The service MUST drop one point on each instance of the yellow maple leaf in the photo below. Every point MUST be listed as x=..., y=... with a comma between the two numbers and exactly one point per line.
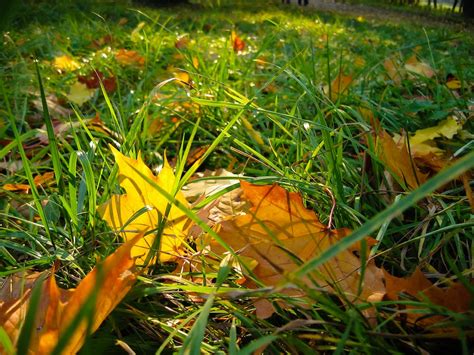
x=422, y=142
x=65, y=63
x=279, y=233
x=122, y=212
x=79, y=93
x=59, y=307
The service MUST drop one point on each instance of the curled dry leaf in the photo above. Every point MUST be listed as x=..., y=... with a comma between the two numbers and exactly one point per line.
x=278, y=233
x=223, y=207
x=143, y=208
x=111, y=280
x=455, y=297
x=60, y=130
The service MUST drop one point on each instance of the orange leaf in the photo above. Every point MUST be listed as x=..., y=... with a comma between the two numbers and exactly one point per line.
x=393, y=71
x=279, y=233
x=238, y=43
x=338, y=86
x=112, y=280
x=398, y=160
x=39, y=180
x=129, y=57
x=456, y=297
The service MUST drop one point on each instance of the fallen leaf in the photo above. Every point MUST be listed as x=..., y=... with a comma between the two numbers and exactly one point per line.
x=279, y=233
x=394, y=155
x=182, y=43
x=455, y=297
x=95, y=77
x=60, y=129
x=129, y=57
x=338, y=86
x=238, y=43
x=65, y=63
x=120, y=211
x=55, y=107
x=452, y=82
x=112, y=280
x=420, y=68
x=123, y=21
x=99, y=43
x=394, y=72
x=79, y=93
x=38, y=180
x=446, y=128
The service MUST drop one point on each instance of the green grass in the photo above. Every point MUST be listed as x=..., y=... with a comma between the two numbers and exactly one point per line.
x=309, y=143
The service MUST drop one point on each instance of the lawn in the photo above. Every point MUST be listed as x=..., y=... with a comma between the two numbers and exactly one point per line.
x=245, y=153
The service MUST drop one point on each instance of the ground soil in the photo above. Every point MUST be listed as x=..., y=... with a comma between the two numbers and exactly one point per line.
x=424, y=16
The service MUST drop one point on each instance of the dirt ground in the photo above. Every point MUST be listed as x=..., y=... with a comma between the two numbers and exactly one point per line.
x=422, y=16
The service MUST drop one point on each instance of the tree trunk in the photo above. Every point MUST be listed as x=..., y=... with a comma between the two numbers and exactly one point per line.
x=468, y=8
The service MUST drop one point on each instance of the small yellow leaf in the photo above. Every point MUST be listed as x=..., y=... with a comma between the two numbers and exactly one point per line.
x=423, y=138
x=453, y=84
x=79, y=93
x=65, y=63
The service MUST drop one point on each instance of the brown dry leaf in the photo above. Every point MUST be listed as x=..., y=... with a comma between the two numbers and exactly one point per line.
x=54, y=106
x=112, y=280
x=182, y=43
x=122, y=21
x=398, y=161
x=420, y=68
x=339, y=86
x=121, y=210
x=129, y=57
x=455, y=297
x=394, y=72
x=238, y=43
x=39, y=180
x=279, y=233
x=60, y=130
